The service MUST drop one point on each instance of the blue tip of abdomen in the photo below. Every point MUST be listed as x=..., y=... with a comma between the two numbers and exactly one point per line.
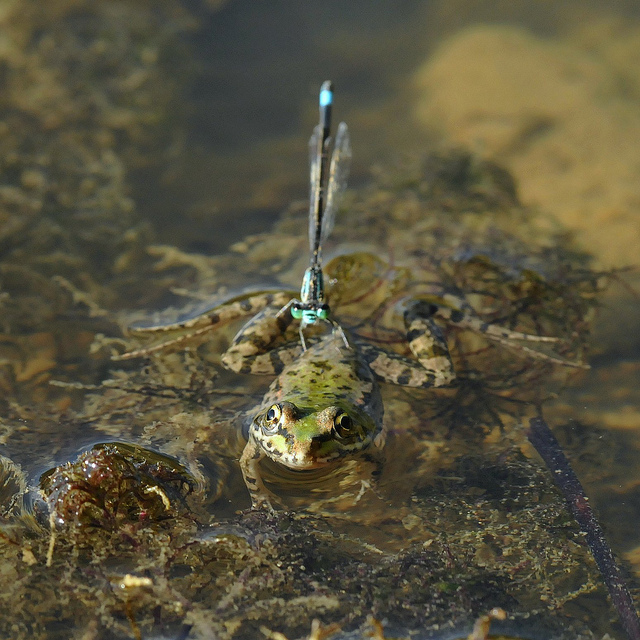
x=326, y=94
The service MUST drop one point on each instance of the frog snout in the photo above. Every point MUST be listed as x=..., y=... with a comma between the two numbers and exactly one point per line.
x=309, y=450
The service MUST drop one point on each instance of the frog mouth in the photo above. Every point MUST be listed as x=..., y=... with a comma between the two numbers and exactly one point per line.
x=320, y=452
x=311, y=458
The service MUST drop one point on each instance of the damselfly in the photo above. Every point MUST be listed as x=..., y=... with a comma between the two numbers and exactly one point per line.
x=329, y=168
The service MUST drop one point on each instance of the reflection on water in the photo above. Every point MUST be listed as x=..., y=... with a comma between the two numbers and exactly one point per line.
x=103, y=155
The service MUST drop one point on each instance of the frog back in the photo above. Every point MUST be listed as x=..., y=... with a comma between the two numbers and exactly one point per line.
x=329, y=372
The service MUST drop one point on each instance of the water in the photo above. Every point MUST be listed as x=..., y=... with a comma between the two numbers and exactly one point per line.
x=137, y=147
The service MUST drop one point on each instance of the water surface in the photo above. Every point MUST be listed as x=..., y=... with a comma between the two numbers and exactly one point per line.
x=149, y=161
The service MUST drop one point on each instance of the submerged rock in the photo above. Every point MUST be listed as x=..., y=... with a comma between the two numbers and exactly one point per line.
x=116, y=485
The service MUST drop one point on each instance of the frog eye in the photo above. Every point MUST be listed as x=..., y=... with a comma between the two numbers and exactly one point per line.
x=274, y=413
x=272, y=417
x=343, y=425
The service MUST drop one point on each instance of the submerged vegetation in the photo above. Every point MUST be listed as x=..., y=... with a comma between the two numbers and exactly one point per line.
x=149, y=534
x=460, y=520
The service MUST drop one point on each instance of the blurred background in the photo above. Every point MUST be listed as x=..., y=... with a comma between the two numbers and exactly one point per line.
x=549, y=89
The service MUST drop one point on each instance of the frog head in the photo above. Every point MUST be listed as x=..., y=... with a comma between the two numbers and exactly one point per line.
x=302, y=437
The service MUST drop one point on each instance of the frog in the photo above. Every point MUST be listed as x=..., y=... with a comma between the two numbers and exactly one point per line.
x=324, y=406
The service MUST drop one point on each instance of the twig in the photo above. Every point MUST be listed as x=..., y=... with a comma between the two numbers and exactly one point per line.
x=566, y=480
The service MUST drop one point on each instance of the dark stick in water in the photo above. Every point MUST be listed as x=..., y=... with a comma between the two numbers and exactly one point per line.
x=545, y=443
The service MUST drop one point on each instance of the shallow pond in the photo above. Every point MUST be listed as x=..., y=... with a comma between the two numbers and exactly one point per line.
x=153, y=163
